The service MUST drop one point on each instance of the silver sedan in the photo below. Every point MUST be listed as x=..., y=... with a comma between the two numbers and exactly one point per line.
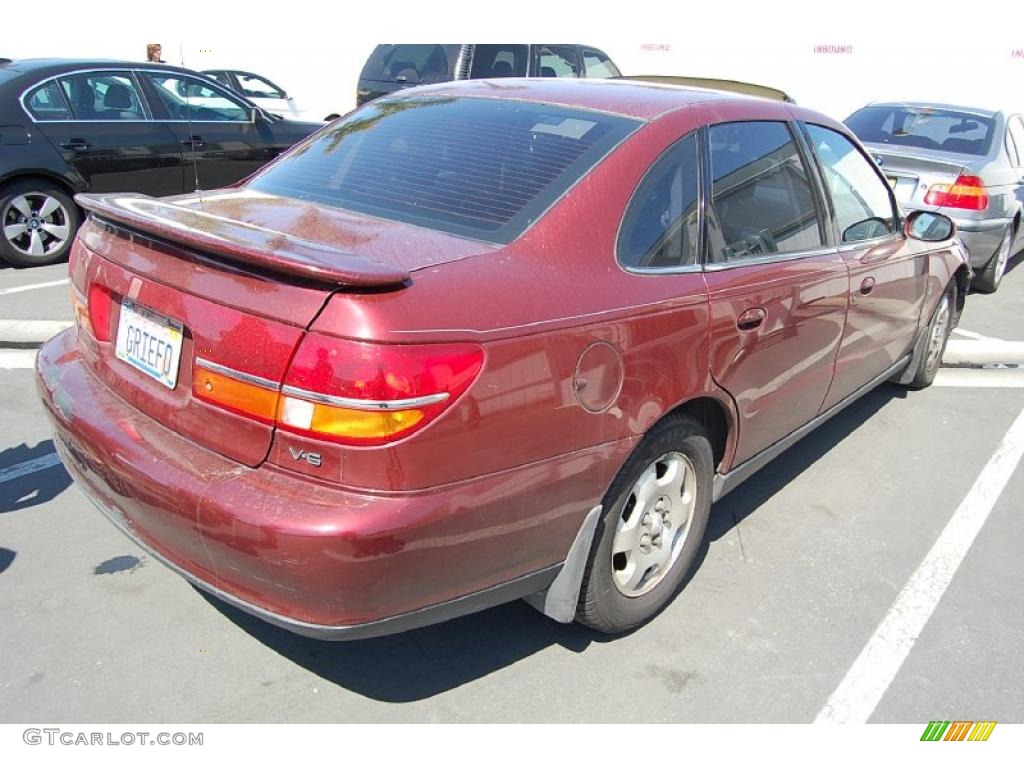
x=964, y=162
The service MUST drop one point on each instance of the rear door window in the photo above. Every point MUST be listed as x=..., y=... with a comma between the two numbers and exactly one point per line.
x=411, y=64
x=484, y=168
x=103, y=96
x=490, y=61
x=47, y=102
x=659, y=230
x=924, y=127
x=863, y=205
x=763, y=200
x=556, y=61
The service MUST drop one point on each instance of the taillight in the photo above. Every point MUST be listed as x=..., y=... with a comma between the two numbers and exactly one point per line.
x=357, y=393
x=100, y=300
x=235, y=391
x=967, y=192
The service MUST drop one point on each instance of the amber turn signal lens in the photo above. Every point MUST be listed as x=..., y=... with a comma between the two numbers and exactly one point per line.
x=331, y=420
x=234, y=395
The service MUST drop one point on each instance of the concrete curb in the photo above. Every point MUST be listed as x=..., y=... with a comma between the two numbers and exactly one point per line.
x=976, y=353
x=30, y=331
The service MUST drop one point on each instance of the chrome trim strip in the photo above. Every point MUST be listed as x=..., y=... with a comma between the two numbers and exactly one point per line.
x=120, y=68
x=767, y=258
x=231, y=373
x=364, y=405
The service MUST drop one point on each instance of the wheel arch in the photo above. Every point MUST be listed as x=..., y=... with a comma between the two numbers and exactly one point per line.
x=43, y=175
x=717, y=416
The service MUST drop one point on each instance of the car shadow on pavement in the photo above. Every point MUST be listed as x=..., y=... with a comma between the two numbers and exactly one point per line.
x=33, y=487
x=748, y=498
x=6, y=558
x=421, y=663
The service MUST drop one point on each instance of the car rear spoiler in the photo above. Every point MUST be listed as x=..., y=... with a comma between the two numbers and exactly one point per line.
x=242, y=243
x=733, y=86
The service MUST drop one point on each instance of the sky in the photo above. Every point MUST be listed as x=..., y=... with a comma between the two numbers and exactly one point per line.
x=829, y=56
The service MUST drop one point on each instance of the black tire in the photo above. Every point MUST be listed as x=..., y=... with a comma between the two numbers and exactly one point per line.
x=991, y=275
x=604, y=604
x=21, y=234
x=935, y=338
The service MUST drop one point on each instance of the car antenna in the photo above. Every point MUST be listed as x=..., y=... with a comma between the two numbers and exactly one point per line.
x=191, y=136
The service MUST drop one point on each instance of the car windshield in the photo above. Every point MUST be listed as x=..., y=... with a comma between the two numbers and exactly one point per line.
x=924, y=127
x=479, y=167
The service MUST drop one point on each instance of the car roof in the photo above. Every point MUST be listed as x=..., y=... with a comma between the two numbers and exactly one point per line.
x=38, y=69
x=641, y=100
x=935, y=105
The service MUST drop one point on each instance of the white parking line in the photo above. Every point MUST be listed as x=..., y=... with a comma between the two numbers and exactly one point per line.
x=875, y=668
x=28, y=467
x=973, y=335
x=34, y=286
x=14, y=359
x=989, y=378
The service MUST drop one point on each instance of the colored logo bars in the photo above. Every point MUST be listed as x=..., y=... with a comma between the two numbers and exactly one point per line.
x=958, y=730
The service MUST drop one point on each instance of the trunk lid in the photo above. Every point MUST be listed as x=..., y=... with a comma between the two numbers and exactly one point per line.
x=240, y=276
x=911, y=172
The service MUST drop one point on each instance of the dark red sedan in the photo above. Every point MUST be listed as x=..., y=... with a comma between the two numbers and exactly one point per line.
x=483, y=341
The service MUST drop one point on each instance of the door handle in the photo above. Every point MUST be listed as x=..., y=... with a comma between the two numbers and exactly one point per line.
x=76, y=144
x=867, y=285
x=196, y=142
x=750, y=319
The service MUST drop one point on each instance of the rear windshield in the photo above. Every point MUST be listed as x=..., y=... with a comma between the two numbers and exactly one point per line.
x=924, y=128
x=479, y=167
x=413, y=64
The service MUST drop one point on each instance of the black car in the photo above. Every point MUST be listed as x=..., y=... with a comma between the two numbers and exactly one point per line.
x=391, y=67
x=69, y=126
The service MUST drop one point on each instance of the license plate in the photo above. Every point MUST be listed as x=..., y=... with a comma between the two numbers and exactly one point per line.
x=149, y=342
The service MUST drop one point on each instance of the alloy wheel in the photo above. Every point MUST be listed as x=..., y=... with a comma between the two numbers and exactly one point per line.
x=36, y=224
x=939, y=331
x=654, y=524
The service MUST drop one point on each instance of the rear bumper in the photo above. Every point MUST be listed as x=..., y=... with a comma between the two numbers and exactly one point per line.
x=982, y=238
x=317, y=559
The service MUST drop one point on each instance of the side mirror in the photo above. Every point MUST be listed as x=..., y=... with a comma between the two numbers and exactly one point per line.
x=255, y=116
x=929, y=226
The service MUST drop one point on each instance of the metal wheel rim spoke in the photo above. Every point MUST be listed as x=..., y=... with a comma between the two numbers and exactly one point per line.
x=22, y=205
x=654, y=524
x=48, y=206
x=12, y=231
x=57, y=231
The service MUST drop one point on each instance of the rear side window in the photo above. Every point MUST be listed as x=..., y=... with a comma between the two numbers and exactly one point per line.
x=864, y=209
x=103, y=96
x=556, y=61
x=924, y=128
x=484, y=168
x=491, y=61
x=1016, y=133
x=47, y=103
x=257, y=88
x=762, y=198
x=411, y=64
x=597, y=64
x=659, y=229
